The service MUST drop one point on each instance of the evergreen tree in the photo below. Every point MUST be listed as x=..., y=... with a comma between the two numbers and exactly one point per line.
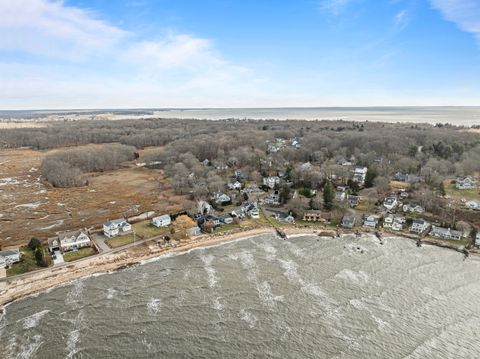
x=370, y=177
x=328, y=195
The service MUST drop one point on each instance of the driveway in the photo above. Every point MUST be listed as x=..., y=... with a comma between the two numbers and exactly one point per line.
x=58, y=259
x=100, y=242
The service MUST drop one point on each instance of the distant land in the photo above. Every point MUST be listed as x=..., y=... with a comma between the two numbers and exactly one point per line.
x=459, y=116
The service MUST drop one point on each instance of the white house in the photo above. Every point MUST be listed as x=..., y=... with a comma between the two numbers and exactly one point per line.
x=465, y=183
x=445, y=233
x=390, y=202
x=116, y=227
x=203, y=207
x=9, y=256
x=72, y=240
x=413, y=208
x=394, y=222
x=221, y=198
x=477, y=239
x=162, y=221
x=370, y=221
x=271, y=181
x=284, y=217
x=234, y=185
x=419, y=226
x=359, y=175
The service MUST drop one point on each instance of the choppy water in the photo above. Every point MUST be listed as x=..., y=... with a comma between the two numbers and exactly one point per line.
x=262, y=298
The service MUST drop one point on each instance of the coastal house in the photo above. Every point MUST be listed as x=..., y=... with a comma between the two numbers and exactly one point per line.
x=359, y=175
x=353, y=201
x=221, y=198
x=271, y=181
x=313, y=216
x=251, y=209
x=203, y=207
x=284, y=217
x=226, y=219
x=348, y=221
x=477, y=239
x=419, y=226
x=9, y=257
x=116, y=227
x=340, y=196
x=253, y=189
x=394, y=222
x=208, y=222
x=465, y=183
x=234, y=185
x=71, y=240
x=370, y=221
x=413, y=208
x=390, y=202
x=445, y=233
x=162, y=221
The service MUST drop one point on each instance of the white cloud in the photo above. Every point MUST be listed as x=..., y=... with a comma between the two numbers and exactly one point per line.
x=401, y=20
x=335, y=6
x=91, y=62
x=464, y=13
x=49, y=28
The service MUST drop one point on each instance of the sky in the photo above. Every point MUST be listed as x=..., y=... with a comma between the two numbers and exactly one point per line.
x=238, y=53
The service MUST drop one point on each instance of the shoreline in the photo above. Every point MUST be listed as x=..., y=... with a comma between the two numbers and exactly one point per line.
x=29, y=284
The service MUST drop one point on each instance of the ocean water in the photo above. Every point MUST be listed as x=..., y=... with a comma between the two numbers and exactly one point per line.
x=461, y=116
x=262, y=297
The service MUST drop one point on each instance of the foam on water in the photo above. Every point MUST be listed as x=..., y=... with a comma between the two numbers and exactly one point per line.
x=33, y=320
x=154, y=306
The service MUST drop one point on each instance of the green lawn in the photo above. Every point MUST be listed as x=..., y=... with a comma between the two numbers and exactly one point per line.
x=120, y=241
x=460, y=243
x=81, y=253
x=468, y=194
x=147, y=230
x=27, y=264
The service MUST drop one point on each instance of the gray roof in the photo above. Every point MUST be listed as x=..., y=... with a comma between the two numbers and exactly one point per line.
x=9, y=252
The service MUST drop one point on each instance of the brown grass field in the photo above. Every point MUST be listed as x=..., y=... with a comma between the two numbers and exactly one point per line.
x=29, y=207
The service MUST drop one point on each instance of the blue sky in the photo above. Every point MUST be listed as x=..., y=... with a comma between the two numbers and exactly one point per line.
x=238, y=53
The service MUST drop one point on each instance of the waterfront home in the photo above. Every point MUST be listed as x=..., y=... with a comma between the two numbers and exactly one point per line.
x=284, y=217
x=221, y=198
x=208, y=221
x=313, y=216
x=477, y=239
x=271, y=181
x=445, y=233
x=234, y=185
x=162, y=221
x=359, y=175
x=390, y=202
x=72, y=240
x=419, y=226
x=472, y=204
x=370, y=221
x=226, y=219
x=465, y=183
x=116, y=227
x=348, y=221
x=353, y=200
x=9, y=257
x=394, y=222
x=203, y=207
x=413, y=208
x=251, y=209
